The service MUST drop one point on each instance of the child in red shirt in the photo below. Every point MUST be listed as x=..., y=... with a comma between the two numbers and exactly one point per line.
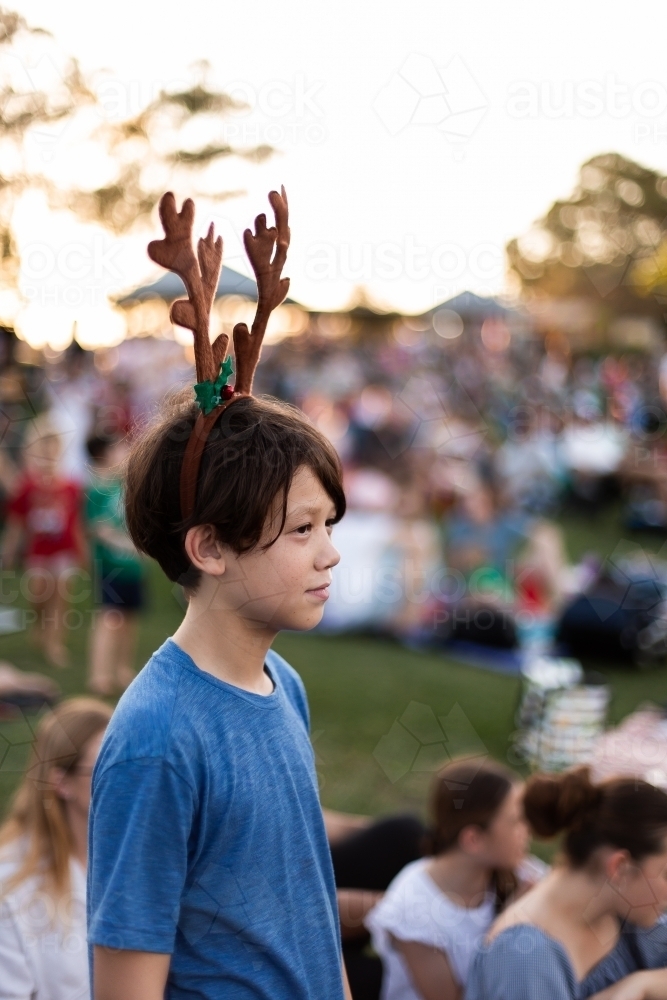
x=43, y=522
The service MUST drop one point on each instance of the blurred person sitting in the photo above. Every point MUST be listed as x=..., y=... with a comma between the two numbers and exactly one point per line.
x=118, y=572
x=596, y=922
x=530, y=464
x=482, y=531
x=432, y=919
x=43, y=522
x=592, y=449
x=365, y=539
x=43, y=852
x=481, y=537
x=543, y=578
x=418, y=547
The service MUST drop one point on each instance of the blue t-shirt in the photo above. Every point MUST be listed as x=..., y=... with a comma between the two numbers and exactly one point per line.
x=206, y=836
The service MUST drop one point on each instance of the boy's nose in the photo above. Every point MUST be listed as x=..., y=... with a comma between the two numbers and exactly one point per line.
x=329, y=557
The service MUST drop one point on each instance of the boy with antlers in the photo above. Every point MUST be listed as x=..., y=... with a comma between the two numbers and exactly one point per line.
x=209, y=871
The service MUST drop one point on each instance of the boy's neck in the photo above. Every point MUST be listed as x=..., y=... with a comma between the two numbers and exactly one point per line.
x=226, y=645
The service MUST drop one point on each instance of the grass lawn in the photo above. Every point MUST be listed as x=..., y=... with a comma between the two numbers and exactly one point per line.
x=382, y=716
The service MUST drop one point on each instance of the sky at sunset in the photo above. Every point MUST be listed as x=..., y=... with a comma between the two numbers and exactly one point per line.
x=414, y=139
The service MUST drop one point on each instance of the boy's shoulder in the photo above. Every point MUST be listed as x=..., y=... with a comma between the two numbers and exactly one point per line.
x=164, y=711
x=291, y=683
x=143, y=721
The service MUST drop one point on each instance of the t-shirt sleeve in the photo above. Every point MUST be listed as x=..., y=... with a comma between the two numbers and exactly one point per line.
x=521, y=964
x=141, y=817
x=408, y=917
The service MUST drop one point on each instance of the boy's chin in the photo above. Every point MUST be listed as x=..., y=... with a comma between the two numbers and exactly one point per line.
x=302, y=620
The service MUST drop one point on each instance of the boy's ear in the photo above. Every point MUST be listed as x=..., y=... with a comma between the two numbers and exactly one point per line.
x=204, y=550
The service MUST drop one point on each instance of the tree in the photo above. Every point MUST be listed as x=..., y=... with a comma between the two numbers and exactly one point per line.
x=607, y=241
x=42, y=92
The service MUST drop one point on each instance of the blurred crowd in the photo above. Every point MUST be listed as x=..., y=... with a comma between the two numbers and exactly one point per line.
x=460, y=454
x=65, y=548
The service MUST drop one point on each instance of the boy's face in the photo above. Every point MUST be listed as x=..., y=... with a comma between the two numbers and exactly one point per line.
x=287, y=585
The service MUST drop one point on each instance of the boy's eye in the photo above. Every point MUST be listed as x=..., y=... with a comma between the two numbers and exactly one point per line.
x=303, y=529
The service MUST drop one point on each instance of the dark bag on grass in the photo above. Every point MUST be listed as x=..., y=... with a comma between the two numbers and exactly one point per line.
x=610, y=619
x=483, y=625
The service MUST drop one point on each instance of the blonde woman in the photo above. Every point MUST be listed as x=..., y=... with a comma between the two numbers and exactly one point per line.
x=43, y=852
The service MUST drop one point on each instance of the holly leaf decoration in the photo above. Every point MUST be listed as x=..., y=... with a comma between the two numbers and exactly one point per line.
x=209, y=394
x=206, y=396
x=226, y=369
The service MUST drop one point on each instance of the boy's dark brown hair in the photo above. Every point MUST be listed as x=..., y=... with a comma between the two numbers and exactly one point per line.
x=250, y=459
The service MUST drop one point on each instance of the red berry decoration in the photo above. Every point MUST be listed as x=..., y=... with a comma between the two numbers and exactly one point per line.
x=227, y=391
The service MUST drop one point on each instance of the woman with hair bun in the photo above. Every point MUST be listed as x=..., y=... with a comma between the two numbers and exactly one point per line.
x=593, y=924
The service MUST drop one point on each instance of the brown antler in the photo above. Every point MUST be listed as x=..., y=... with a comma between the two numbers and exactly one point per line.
x=271, y=288
x=200, y=276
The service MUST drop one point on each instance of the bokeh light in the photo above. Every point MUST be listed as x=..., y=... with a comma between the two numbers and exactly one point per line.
x=448, y=324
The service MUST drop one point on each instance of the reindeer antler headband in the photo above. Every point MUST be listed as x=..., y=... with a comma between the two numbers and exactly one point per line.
x=200, y=275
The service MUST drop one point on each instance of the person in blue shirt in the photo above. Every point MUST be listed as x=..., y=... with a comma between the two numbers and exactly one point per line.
x=210, y=874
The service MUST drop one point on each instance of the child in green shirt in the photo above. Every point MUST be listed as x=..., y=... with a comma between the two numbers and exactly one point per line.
x=118, y=573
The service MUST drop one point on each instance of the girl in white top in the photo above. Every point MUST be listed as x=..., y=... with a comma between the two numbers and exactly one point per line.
x=43, y=849
x=437, y=911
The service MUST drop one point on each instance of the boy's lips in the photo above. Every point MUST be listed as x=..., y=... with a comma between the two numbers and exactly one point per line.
x=320, y=592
